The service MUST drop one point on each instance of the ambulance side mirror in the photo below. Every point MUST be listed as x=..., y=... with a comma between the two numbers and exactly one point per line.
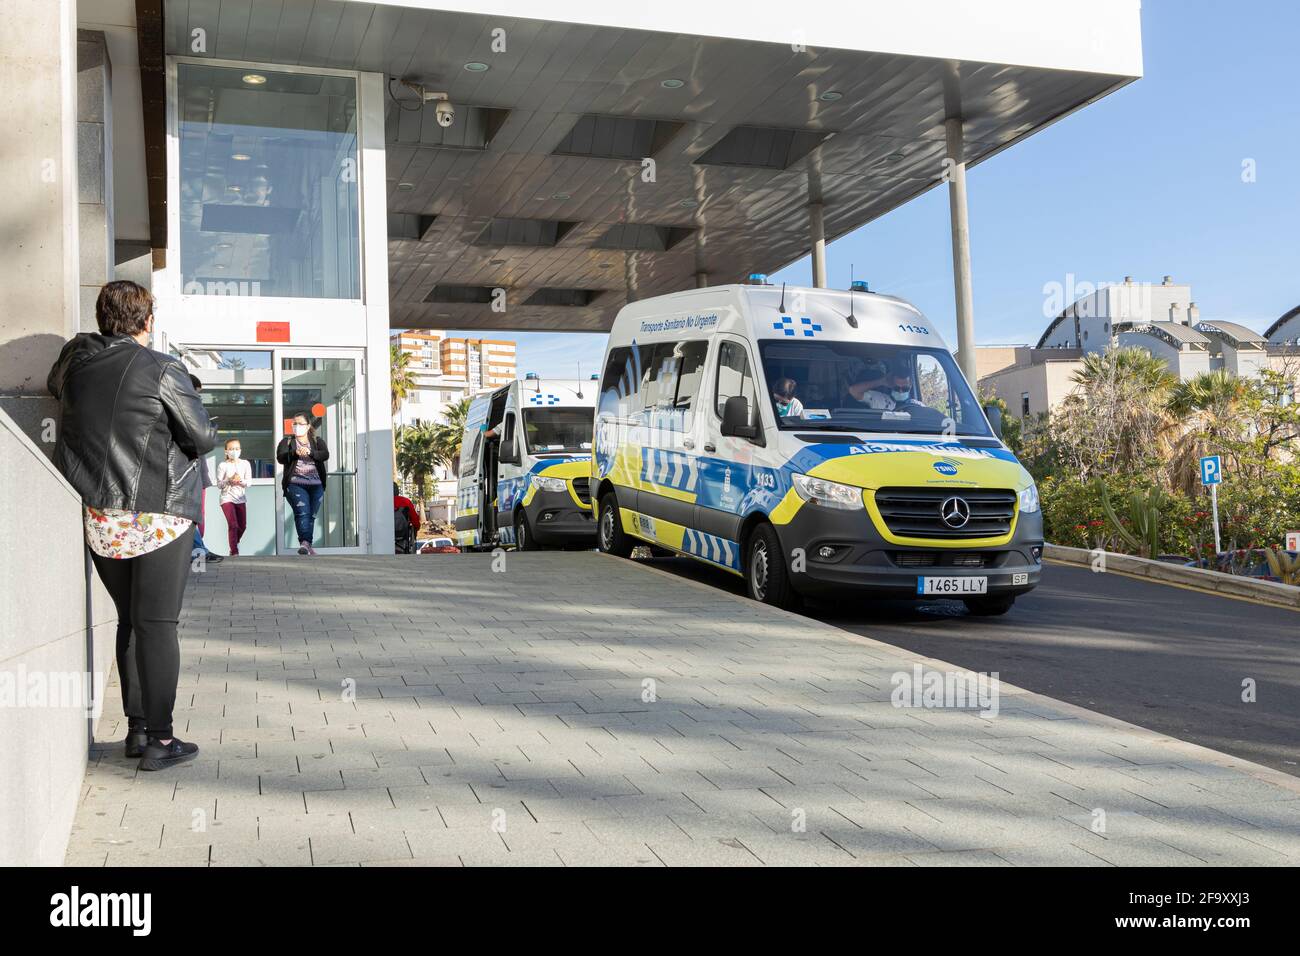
x=735, y=418
x=994, y=414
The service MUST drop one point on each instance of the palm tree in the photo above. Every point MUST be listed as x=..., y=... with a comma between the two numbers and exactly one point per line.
x=416, y=456
x=1122, y=418
x=400, y=376
x=448, y=434
x=401, y=383
x=1207, y=408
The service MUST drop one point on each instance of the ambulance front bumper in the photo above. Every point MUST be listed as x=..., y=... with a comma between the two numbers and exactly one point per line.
x=842, y=551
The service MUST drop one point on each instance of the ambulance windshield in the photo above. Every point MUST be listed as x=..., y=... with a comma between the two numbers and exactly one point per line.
x=559, y=431
x=861, y=386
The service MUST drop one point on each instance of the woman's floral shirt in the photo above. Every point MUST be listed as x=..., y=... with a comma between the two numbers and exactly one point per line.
x=112, y=533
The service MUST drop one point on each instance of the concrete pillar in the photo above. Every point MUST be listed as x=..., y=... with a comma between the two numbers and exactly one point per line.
x=817, y=229
x=701, y=280
x=38, y=234
x=960, y=225
x=94, y=170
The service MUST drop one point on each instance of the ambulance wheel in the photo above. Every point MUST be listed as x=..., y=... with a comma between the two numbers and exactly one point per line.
x=609, y=531
x=990, y=606
x=523, y=534
x=767, y=578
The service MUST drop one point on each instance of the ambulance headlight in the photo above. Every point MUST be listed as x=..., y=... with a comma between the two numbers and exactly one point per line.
x=548, y=484
x=1029, y=500
x=828, y=494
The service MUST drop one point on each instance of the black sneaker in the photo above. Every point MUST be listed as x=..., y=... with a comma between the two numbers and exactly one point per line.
x=303, y=549
x=136, y=741
x=211, y=558
x=159, y=756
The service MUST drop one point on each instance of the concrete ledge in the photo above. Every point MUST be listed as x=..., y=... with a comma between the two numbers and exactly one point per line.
x=1201, y=579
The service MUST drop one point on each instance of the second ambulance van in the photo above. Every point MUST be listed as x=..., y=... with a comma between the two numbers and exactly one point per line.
x=524, y=466
x=812, y=441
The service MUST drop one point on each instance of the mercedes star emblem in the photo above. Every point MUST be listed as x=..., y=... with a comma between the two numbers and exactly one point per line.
x=955, y=512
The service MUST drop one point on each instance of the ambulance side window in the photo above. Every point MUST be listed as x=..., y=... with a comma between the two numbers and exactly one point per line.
x=735, y=378
x=690, y=372
x=619, y=385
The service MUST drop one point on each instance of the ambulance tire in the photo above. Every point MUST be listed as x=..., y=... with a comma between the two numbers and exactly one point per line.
x=523, y=534
x=609, y=529
x=990, y=606
x=767, y=577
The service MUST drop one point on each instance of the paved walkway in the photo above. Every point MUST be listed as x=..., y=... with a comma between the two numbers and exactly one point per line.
x=576, y=709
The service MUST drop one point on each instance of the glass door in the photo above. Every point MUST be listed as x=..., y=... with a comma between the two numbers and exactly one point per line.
x=323, y=386
x=238, y=391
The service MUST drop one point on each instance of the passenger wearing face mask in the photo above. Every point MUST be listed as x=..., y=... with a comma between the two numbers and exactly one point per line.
x=888, y=392
x=787, y=406
x=303, y=455
x=233, y=476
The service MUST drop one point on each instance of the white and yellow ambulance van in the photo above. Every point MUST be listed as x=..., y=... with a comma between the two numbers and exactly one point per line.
x=524, y=466
x=814, y=442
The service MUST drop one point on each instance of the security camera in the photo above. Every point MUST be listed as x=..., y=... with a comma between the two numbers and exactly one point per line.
x=445, y=112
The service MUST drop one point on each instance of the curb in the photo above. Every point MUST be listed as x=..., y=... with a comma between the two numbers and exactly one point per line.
x=1200, y=579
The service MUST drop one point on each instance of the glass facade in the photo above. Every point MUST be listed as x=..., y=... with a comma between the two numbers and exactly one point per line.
x=269, y=200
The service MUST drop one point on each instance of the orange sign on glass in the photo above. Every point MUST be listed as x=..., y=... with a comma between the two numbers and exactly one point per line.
x=273, y=331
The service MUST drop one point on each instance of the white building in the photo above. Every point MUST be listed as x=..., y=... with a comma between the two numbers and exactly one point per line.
x=1162, y=319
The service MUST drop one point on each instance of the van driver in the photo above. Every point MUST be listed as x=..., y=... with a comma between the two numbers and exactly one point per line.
x=886, y=392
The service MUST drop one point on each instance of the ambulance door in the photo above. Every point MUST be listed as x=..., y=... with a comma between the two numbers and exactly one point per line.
x=728, y=462
x=669, y=458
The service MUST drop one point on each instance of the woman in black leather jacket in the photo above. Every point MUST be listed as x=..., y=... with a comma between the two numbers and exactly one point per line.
x=130, y=441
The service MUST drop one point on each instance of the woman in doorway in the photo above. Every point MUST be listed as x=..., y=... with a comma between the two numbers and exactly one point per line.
x=303, y=455
x=233, y=476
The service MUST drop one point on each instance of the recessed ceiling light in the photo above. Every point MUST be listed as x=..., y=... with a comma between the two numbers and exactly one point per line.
x=561, y=196
x=254, y=79
x=496, y=262
x=673, y=84
x=240, y=157
x=475, y=67
x=233, y=189
x=895, y=157
x=405, y=186
x=830, y=96
x=223, y=245
x=689, y=203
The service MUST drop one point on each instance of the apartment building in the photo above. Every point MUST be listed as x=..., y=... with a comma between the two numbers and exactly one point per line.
x=482, y=363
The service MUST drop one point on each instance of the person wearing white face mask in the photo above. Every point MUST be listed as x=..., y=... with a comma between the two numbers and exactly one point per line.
x=890, y=391
x=233, y=476
x=303, y=455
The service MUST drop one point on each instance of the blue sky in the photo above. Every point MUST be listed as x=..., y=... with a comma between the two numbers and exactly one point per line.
x=1147, y=182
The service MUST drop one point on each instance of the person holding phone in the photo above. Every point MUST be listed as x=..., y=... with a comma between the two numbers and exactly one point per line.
x=233, y=476
x=302, y=455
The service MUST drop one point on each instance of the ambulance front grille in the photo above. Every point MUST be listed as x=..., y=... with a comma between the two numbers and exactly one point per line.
x=582, y=488
x=916, y=512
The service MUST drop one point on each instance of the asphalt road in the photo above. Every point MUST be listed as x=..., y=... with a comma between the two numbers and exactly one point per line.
x=1166, y=658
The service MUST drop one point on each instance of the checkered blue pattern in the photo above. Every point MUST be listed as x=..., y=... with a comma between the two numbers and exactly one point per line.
x=805, y=325
x=537, y=398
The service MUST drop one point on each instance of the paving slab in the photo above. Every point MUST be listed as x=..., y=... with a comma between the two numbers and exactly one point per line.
x=580, y=710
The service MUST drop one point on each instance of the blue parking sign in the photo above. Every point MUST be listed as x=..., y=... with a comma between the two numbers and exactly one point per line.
x=1211, y=470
